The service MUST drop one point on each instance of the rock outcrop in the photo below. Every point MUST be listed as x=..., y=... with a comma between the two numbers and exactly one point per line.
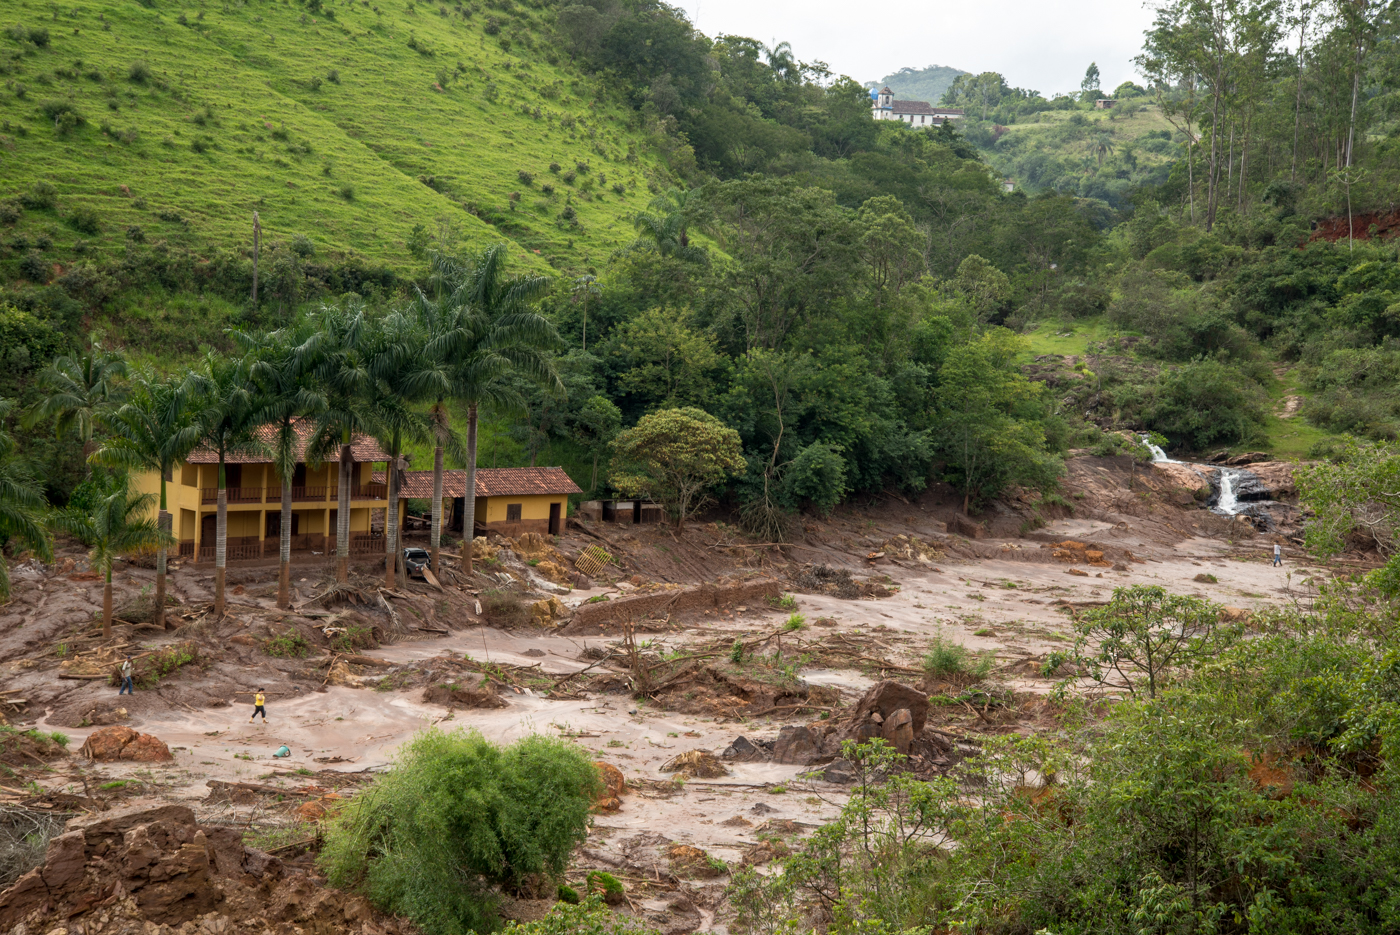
x=117, y=743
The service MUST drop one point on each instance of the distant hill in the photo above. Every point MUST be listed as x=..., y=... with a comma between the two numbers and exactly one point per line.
x=919, y=84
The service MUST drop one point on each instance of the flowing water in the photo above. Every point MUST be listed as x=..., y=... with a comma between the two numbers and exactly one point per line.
x=1227, y=504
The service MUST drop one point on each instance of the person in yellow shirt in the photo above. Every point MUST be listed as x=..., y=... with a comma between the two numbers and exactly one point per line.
x=258, y=700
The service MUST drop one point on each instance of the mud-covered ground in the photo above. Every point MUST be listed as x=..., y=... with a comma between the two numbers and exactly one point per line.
x=637, y=667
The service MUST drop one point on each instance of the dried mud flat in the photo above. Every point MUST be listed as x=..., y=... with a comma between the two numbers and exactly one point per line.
x=657, y=668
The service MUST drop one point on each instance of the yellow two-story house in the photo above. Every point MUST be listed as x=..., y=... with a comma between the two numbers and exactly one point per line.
x=255, y=502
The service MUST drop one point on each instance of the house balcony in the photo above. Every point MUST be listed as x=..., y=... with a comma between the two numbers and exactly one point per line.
x=243, y=548
x=273, y=495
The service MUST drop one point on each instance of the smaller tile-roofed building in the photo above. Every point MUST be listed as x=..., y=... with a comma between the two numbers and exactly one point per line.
x=509, y=501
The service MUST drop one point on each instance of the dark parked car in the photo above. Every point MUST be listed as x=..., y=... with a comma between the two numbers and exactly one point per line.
x=415, y=560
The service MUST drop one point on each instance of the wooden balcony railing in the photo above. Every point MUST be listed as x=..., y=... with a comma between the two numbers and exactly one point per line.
x=299, y=494
x=235, y=494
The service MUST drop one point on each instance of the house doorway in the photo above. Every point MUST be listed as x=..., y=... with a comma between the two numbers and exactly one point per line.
x=554, y=519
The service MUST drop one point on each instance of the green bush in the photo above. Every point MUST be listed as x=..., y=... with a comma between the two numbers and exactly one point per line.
x=1206, y=403
x=946, y=659
x=41, y=196
x=816, y=478
x=85, y=220
x=589, y=917
x=290, y=645
x=139, y=72
x=457, y=815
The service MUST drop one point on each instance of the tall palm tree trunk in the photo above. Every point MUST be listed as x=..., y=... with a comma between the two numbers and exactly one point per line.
x=284, y=550
x=436, y=535
x=163, y=519
x=107, y=605
x=220, y=541
x=391, y=517
x=469, y=501
x=342, y=519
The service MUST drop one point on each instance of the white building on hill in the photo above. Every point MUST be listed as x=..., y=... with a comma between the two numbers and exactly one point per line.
x=883, y=106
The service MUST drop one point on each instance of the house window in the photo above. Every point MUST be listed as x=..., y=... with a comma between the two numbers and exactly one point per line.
x=513, y=512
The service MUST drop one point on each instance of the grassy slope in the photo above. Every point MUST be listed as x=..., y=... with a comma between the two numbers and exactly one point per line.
x=243, y=78
x=1043, y=132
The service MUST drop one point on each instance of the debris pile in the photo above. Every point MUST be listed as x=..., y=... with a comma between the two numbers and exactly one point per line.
x=118, y=743
x=158, y=871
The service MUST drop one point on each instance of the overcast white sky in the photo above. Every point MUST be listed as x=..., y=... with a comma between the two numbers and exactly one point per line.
x=1039, y=44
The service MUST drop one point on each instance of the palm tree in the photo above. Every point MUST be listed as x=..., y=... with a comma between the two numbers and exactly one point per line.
x=434, y=380
x=664, y=227
x=152, y=431
x=22, y=504
x=77, y=389
x=343, y=371
x=120, y=523
x=396, y=383
x=230, y=405
x=496, y=333
x=283, y=367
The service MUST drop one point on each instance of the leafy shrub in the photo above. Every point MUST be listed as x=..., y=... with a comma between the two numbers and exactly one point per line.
x=456, y=815
x=567, y=894
x=200, y=144
x=1144, y=637
x=554, y=167
x=289, y=645
x=569, y=177
x=619, y=188
x=333, y=76
x=590, y=917
x=492, y=27
x=815, y=478
x=1207, y=402
x=10, y=211
x=946, y=659
x=354, y=639
x=526, y=178
x=568, y=214
x=302, y=246
x=139, y=72
x=135, y=234
x=34, y=268
x=347, y=192
x=547, y=188
x=85, y=220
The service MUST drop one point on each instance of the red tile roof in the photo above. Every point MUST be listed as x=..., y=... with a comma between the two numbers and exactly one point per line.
x=361, y=449
x=923, y=107
x=491, y=482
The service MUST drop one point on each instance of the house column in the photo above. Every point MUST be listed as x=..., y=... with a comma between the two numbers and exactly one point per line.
x=262, y=531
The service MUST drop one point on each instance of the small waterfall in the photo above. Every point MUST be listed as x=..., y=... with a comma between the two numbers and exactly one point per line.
x=1227, y=503
x=1158, y=455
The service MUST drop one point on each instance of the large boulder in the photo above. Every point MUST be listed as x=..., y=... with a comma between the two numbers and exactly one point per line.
x=885, y=698
x=118, y=743
x=1271, y=480
x=796, y=744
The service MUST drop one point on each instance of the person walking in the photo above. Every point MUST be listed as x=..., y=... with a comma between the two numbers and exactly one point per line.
x=128, y=686
x=258, y=701
x=1278, y=555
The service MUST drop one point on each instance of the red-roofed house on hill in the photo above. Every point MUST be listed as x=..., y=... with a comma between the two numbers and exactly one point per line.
x=509, y=501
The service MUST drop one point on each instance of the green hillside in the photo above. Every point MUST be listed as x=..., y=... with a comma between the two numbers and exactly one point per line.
x=344, y=125
x=919, y=84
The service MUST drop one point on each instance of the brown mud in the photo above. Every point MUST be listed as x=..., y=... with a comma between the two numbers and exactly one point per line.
x=658, y=666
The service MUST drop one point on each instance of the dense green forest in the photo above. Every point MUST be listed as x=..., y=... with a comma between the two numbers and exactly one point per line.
x=859, y=296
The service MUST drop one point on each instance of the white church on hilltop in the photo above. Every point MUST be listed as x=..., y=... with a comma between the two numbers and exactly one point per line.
x=883, y=106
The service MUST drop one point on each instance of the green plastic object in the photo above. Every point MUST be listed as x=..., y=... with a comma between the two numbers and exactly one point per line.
x=283, y=751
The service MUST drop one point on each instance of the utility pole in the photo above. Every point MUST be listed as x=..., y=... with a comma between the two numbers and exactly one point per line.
x=257, y=234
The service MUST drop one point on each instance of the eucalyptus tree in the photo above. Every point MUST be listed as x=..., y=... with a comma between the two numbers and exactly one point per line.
x=120, y=523
x=496, y=333
x=230, y=409
x=22, y=505
x=283, y=366
x=152, y=431
x=76, y=391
